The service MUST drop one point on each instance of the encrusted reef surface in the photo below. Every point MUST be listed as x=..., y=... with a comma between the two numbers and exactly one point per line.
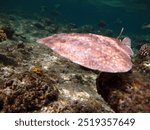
x=35, y=79
x=41, y=81
x=125, y=92
x=26, y=92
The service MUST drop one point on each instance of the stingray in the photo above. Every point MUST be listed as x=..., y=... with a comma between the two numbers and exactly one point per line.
x=93, y=51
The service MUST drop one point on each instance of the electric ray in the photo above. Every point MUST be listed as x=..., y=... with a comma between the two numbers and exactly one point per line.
x=93, y=51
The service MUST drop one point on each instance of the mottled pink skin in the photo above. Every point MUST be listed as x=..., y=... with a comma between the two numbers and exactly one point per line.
x=93, y=51
x=127, y=42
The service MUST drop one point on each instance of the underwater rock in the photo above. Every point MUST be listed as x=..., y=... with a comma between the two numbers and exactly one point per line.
x=13, y=53
x=46, y=21
x=106, y=32
x=142, y=60
x=8, y=30
x=68, y=28
x=76, y=106
x=38, y=25
x=27, y=92
x=77, y=89
x=53, y=28
x=6, y=73
x=5, y=60
x=3, y=36
x=128, y=92
x=86, y=28
x=145, y=67
x=145, y=50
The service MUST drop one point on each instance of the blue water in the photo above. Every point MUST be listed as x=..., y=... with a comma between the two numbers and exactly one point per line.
x=130, y=14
